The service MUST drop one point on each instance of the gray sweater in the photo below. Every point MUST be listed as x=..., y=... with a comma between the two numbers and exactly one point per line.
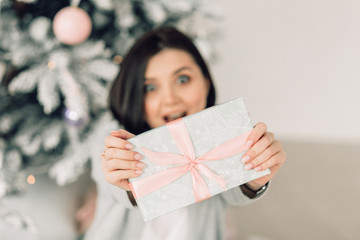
x=116, y=218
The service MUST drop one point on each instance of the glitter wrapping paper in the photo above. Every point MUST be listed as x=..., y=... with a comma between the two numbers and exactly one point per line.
x=209, y=131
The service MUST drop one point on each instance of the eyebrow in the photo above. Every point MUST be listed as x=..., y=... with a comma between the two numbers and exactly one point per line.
x=174, y=73
x=181, y=69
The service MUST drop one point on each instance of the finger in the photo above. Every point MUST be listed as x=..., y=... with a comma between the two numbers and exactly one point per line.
x=276, y=161
x=116, y=153
x=122, y=183
x=115, y=142
x=256, y=133
x=116, y=176
x=122, y=134
x=267, y=154
x=259, y=147
x=116, y=164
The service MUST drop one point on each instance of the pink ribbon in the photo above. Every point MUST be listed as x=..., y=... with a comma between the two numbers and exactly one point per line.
x=188, y=163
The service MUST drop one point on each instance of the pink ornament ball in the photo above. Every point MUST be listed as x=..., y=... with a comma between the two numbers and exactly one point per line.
x=72, y=25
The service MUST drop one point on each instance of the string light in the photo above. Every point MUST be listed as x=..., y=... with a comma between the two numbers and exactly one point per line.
x=31, y=179
x=117, y=59
x=51, y=64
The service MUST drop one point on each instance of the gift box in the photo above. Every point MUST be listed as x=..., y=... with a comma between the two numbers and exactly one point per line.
x=193, y=158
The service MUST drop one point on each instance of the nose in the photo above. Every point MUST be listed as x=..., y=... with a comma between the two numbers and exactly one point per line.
x=170, y=95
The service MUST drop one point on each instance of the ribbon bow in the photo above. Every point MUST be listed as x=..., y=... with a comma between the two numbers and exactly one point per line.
x=188, y=163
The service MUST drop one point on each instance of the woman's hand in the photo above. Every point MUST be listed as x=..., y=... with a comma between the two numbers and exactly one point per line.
x=119, y=163
x=265, y=152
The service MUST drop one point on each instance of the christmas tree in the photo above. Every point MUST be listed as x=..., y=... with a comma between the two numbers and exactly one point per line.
x=57, y=62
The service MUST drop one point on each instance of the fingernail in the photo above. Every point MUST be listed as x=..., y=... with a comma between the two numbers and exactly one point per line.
x=257, y=168
x=140, y=165
x=245, y=158
x=138, y=172
x=248, y=144
x=128, y=146
x=138, y=156
x=248, y=166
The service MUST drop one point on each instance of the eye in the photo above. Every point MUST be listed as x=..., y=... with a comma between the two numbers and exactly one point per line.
x=149, y=88
x=183, y=79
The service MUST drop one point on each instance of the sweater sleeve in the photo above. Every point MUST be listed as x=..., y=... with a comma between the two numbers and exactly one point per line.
x=107, y=189
x=104, y=188
x=120, y=196
x=235, y=197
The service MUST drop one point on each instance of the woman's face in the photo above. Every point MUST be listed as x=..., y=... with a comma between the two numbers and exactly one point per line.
x=174, y=87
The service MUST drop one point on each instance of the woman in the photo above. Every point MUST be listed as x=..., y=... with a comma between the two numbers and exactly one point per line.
x=162, y=78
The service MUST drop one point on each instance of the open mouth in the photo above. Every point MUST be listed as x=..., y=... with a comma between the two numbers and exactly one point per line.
x=174, y=116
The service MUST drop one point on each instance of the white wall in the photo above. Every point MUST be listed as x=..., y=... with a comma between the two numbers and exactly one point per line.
x=296, y=64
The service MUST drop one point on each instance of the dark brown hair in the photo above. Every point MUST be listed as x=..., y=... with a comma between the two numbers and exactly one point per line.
x=126, y=97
